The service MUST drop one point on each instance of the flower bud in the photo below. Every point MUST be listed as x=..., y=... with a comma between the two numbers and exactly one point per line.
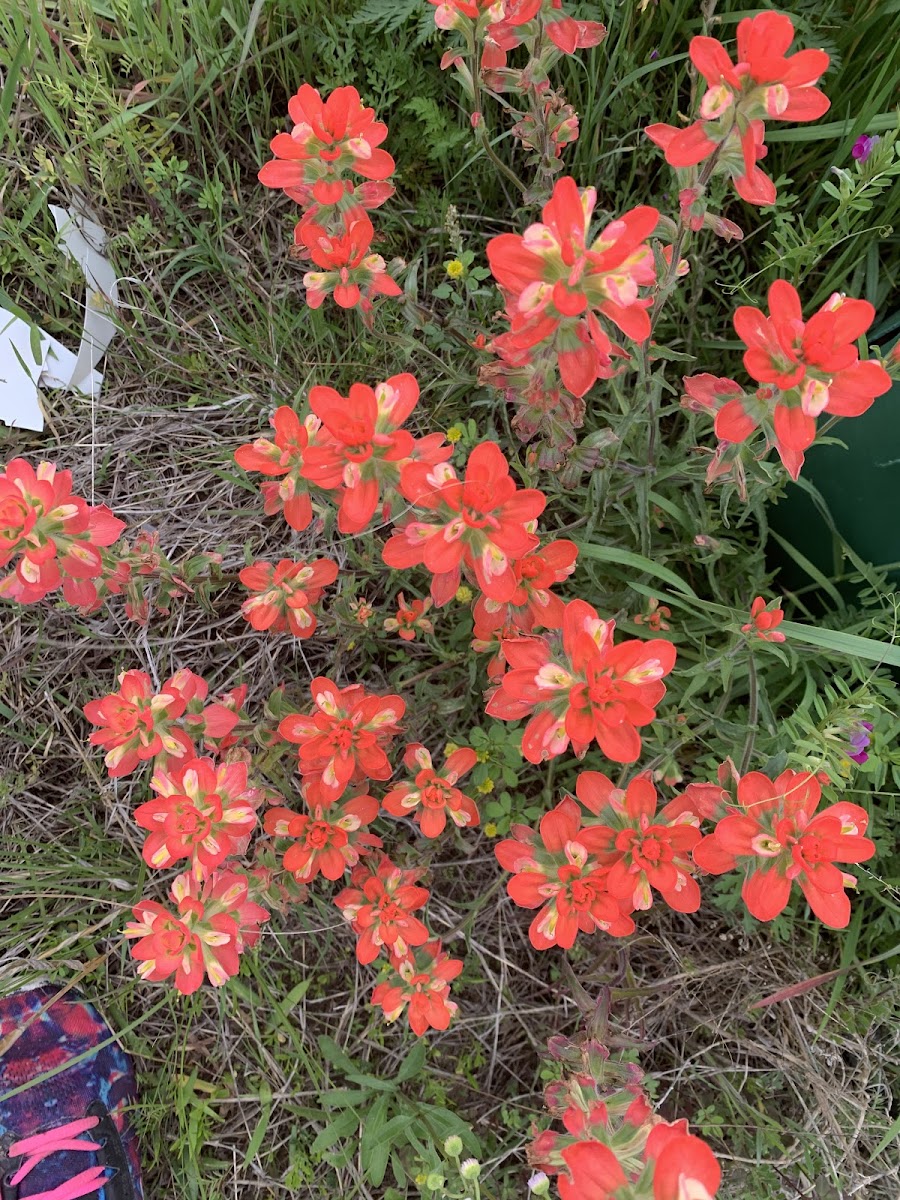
x=453, y=1146
x=470, y=1169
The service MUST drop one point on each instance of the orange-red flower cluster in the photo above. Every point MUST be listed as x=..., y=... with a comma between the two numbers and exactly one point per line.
x=331, y=141
x=203, y=811
x=764, y=621
x=605, y=853
x=775, y=836
x=804, y=368
x=343, y=742
x=419, y=982
x=504, y=25
x=55, y=538
x=352, y=448
x=380, y=907
x=614, y=1146
x=138, y=723
x=479, y=523
x=567, y=290
x=764, y=84
x=284, y=594
x=432, y=797
x=214, y=922
x=579, y=686
x=589, y=871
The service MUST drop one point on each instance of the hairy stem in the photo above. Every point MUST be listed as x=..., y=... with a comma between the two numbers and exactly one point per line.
x=753, y=714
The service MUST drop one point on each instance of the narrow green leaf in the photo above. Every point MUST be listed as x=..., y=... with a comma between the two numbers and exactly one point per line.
x=849, y=644
x=831, y=129
x=8, y=95
x=810, y=568
x=637, y=562
x=259, y=1133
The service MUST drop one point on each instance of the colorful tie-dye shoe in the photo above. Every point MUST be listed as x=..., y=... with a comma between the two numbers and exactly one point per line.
x=69, y=1135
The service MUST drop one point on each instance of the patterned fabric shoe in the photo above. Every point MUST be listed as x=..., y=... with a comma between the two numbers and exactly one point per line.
x=67, y=1136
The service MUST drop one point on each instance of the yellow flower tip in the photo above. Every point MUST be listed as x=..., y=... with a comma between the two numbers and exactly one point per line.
x=490, y=830
x=463, y=594
x=455, y=269
x=454, y=433
x=485, y=787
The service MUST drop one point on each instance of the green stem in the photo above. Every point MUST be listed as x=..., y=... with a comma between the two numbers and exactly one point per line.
x=753, y=715
x=482, y=128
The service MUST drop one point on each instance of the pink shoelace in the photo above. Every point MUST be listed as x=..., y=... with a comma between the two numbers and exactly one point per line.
x=65, y=1137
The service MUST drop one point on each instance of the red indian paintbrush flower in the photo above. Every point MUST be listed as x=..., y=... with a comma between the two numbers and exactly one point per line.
x=557, y=870
x=379, y=906
x=684, y=1167
x=556, y=281
x=419, y=982
x=204, y=811
x=137, y=723
x=479, y=521
x=344, y=740
x=814, y=364
x=525, y=21
x=410, y=619
x=283, y=457
x=592, y=1172
x=361, y=447
x=329, y=139
x=432, y=797
x=462, y=14
x=350, y=271
x=643, y=850
x=763, y=621
x=775, y=837
x=212, y=926
x=57, y=536
x=532, y=604
x=327, y=840
x=285, y=593
x=582, y=688
x=763, y=85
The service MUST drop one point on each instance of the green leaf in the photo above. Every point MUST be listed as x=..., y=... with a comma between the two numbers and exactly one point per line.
x=330, y=1050
x=414, y=1061
x=372, y=1081
x=259, y=1133
x=810, y=568
x=372, y=1126
x=341, y=1127
x=344, y=1097
x=849, y=644
x=637, y=562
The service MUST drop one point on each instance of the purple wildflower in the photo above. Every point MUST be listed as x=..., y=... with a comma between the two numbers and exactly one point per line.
x=859, y=741
x=863, y=147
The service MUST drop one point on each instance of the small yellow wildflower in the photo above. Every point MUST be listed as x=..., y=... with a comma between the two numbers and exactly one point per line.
x=455, y=269
x=485, y=787
x=463, y=594
x=482, y=755
x=450, y=748
x=454, y=433
x=490, y=830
